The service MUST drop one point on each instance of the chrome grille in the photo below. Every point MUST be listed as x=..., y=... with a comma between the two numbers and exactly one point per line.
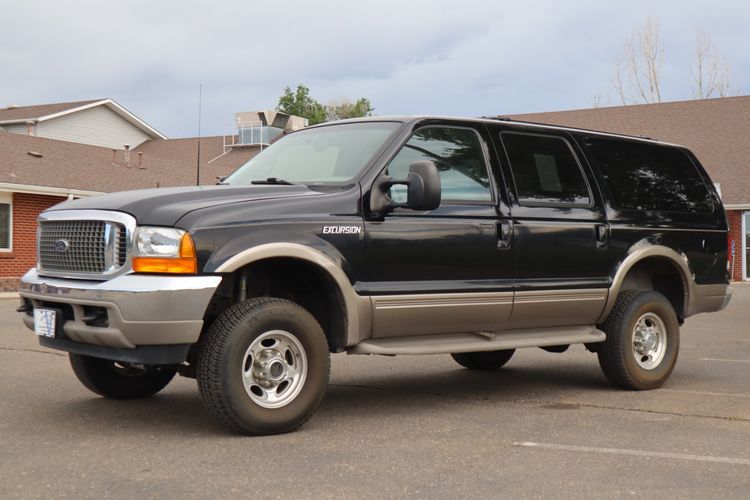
x=80, y=246
x=122, y=245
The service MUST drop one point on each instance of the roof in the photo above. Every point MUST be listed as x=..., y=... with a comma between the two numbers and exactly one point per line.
x=35, y=162
x=24, y=113
x=43, y=112
x=716, y=130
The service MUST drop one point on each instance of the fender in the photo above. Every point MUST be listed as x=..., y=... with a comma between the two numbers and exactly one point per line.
x=643, y=250
x=358, y=309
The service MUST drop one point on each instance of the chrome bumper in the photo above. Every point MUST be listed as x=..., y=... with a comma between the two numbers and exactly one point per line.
x=141, y=310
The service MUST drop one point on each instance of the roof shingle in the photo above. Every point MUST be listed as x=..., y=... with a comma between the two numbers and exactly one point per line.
x=22, y=113
x=69, y=165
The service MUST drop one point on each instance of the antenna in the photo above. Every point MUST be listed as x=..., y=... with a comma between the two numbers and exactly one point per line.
x=198, y=166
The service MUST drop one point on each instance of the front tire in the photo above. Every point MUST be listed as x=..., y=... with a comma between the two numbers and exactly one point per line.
x=116, y=380
x=643, y=341
x=487, y=360
x=264, y=366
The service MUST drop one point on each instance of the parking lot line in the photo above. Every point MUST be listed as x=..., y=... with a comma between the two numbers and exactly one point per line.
x=727, y=360
x=637, y=453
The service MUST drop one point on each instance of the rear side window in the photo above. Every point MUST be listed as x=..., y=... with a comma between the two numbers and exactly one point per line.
x=642, y=176
x=545, y=170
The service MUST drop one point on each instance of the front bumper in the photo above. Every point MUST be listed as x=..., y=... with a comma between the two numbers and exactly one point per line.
x=142, y=311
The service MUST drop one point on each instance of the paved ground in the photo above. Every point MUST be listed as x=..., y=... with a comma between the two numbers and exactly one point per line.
x=548, y=425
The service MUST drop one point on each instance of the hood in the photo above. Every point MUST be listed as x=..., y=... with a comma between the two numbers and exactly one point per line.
x=165, y=206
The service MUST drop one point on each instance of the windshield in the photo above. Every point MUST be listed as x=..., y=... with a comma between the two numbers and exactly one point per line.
x=331, y=154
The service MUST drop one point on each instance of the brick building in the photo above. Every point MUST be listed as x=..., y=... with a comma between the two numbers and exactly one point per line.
x=54, y=152
x=716, y=130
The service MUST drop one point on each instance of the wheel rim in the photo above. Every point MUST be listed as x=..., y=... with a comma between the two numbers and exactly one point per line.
x=274, y=369
x=649, y=341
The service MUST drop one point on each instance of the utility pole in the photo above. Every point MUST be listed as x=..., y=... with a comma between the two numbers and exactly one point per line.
x=198, y=166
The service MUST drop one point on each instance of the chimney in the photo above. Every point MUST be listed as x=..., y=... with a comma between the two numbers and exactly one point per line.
x=140, y=160
x=127, y=155
x=30, y=127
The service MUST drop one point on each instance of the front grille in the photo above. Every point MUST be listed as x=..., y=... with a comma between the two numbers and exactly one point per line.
x=121, y=245
x=80, y=246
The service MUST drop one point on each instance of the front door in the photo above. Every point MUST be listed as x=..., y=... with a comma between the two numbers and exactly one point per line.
x=445, y=270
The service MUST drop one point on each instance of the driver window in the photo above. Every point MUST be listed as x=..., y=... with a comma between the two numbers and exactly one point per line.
x=456, y=152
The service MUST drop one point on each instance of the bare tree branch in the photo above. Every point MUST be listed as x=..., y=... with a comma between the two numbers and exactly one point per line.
x=638, y=69
x=710, y=70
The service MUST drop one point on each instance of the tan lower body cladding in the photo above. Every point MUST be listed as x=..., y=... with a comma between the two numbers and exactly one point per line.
x=427, y=314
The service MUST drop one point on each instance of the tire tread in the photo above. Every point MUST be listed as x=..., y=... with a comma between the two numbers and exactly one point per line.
x=209, y=378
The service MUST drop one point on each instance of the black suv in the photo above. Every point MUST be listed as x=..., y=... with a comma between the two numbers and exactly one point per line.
x=417, y=235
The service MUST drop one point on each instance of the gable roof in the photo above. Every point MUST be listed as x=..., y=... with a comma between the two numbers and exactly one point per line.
x=716, y=130
x=13, y=114
x=44, y=112
x=37, y=164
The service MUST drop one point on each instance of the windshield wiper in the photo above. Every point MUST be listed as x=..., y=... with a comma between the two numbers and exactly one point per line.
x=275, y=181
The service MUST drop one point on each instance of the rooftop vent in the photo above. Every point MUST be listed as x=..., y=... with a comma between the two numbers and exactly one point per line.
x=12, y=106
x=259, y=128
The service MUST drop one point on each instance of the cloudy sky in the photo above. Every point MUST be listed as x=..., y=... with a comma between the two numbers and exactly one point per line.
x=453, y=57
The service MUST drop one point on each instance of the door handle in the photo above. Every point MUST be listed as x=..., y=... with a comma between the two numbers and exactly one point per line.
x=602, y=235
x=505, y=235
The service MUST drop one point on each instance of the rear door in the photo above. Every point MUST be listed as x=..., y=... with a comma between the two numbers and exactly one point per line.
x=560, y=232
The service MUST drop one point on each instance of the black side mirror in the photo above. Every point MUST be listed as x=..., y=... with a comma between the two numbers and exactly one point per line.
x=423, y=189
x=424, y=186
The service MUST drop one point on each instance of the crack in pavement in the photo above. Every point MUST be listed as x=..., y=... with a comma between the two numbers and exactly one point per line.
x=545, y=402
x=38, y=351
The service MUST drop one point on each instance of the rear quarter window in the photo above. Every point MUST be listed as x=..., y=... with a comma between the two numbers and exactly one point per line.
x=643, y=176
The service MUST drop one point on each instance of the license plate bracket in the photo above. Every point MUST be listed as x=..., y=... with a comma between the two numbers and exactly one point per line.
x=46, y=322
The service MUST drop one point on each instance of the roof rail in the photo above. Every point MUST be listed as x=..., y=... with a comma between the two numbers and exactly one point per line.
x=501, y=118
x=498, y=118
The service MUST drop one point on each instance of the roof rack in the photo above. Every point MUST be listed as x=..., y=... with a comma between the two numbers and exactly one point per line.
x=498, y=118
x=501, y=118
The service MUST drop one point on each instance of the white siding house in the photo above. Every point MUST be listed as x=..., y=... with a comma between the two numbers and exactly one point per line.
x=97, y=126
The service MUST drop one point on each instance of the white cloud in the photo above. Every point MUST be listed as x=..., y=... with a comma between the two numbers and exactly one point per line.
x=465, y=58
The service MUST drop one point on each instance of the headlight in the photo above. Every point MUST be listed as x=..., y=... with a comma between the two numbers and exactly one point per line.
x=164, y=250
x=158, y=241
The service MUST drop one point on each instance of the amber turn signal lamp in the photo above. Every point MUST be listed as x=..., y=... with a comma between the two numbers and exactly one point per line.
x=186, y=263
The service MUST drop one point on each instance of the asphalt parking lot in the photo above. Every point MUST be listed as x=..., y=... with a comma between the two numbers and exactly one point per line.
x=546, y=425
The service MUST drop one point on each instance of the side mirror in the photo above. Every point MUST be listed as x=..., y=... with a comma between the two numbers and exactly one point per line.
x=422, y=189
x=424, y=186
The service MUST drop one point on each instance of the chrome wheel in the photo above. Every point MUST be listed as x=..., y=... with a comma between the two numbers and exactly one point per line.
x=274, y=369
x=649, y=341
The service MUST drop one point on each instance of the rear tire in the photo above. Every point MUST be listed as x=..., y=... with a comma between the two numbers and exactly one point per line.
x=115, y=380
x=486, y=360
x=643, y=341
x=264, y=366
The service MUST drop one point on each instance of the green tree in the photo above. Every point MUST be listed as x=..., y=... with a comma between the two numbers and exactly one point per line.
x=300, y=103
x=344, y=109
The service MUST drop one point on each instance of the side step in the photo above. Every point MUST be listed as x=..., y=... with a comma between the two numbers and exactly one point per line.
x=473, y=342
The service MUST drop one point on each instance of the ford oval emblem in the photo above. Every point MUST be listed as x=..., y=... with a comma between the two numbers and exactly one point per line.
x=62, y=246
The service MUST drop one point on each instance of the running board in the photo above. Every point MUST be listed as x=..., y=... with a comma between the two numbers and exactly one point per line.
x=474, y=342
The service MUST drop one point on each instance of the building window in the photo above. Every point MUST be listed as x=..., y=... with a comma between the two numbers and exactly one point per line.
x=745, y=246
x=6, y=221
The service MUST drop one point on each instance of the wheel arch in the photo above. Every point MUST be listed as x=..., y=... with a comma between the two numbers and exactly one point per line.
x=356, y=314
x=642, y=258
